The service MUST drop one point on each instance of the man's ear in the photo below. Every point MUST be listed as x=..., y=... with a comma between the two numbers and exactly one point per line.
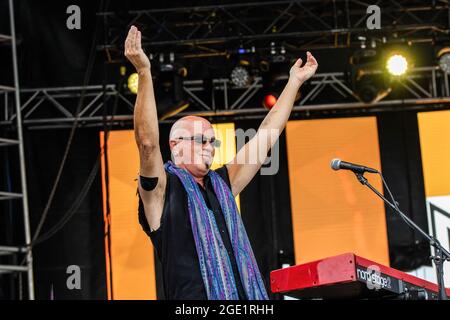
x=172, y=144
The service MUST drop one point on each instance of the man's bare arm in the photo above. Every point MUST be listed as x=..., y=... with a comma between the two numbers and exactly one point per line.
x=146, y=130
x=252, y=155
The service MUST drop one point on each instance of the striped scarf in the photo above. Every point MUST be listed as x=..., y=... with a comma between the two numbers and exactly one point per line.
x=215, y=265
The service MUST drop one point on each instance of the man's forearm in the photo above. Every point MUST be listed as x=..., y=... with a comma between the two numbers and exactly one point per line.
x=145, y=114
x=275, y=121
x=279, y=114
x=242, y=171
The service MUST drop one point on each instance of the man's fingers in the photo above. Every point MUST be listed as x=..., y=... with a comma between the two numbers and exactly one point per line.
x=299, y=62
x=132, y=37
x=311, y=58
x=138, y=41
x=136, y=35
x=128, y=45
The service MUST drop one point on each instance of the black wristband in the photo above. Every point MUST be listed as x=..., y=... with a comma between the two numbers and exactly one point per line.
x=148, y=183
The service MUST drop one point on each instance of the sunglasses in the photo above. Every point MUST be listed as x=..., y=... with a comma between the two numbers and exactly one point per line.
x=203, y=140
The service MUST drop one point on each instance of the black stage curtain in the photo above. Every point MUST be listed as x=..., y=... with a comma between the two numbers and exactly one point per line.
x=401, y=163
x=51, y=55
x=80, y=242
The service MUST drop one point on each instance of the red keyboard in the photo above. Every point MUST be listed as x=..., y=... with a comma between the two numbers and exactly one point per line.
x=349, y=276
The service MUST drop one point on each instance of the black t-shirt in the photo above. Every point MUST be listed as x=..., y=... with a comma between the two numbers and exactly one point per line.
x=174, y=241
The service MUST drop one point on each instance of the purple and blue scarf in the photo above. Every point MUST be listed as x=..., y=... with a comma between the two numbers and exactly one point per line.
x=215, y=265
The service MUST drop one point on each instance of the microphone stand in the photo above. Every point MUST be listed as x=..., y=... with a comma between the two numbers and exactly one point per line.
x=440, y=253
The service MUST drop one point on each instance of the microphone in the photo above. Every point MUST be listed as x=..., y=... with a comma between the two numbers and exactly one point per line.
x=338, y=164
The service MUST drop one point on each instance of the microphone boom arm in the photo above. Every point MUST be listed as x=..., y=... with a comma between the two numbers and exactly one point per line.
x=441, y=254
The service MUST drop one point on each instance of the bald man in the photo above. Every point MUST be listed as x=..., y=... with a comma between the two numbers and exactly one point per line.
x=187, y=209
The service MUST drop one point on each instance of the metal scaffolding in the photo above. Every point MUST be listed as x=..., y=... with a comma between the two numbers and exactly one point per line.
x=17, y=142
x=217, y=30
x=425, y=88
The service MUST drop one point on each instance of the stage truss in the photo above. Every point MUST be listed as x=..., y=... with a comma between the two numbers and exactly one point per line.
x=425, y=88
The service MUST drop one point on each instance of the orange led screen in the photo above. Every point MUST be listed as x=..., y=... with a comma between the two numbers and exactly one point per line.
x=332, y=212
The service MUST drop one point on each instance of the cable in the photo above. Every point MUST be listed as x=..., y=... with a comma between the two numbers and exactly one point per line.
x=389, y=191
x=73, y=208
x=395, y=203
x=107, y=213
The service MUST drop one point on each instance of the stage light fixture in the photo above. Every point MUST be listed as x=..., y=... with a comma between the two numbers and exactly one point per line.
x=240, y=77
x=371, y=88
x=274, y=74
x=444, y=59
x=169, y=92
x=369, y=84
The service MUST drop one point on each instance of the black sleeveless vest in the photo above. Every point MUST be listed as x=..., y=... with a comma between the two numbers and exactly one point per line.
x=174, y=242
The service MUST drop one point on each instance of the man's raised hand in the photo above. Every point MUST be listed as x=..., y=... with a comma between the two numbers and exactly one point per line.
x=301, y=74
x=134, y=52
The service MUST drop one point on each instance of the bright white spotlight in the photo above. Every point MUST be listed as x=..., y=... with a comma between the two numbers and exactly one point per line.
x=133, y=82
x=397, y=65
